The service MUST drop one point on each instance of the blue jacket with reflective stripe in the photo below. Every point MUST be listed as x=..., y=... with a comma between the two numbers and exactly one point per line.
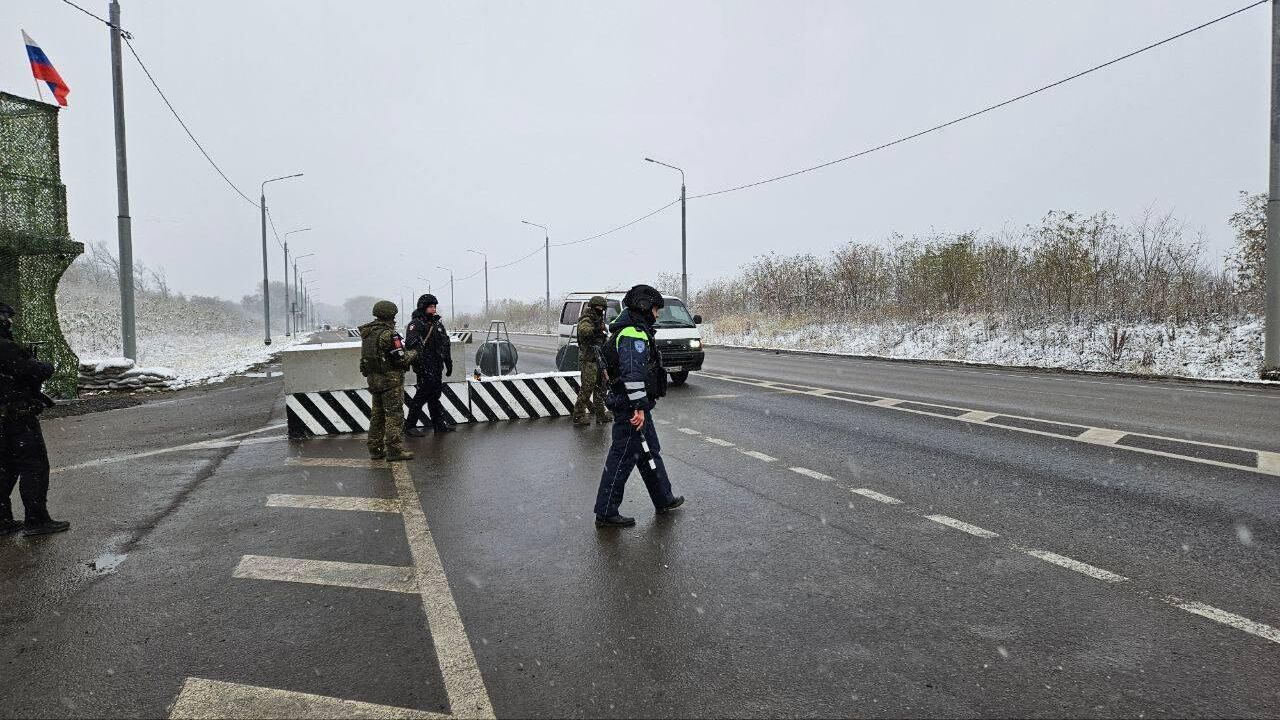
x=637, y=384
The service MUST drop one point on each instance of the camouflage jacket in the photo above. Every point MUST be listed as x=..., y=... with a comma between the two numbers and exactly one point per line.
x=591, y=335
x=382, y=369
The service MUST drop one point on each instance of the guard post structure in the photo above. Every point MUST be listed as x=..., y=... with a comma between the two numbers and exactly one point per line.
x=35, y=246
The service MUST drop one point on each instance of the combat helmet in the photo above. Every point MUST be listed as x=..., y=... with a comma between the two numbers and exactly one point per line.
x=643, y=298
x=598, y=301
x=385, y=310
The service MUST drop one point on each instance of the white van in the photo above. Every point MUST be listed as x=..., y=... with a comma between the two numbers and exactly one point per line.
x=676, y=333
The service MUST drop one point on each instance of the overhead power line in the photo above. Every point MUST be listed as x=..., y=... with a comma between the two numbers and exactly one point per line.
x=123, y=33
x=181, y=122
x=984, y=110
x=516, y=262
x=642, y=218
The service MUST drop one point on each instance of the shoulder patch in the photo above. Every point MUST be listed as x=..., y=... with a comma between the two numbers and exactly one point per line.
x=639, y=345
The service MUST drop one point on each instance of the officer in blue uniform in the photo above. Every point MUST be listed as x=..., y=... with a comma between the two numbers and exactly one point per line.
x=636, y=382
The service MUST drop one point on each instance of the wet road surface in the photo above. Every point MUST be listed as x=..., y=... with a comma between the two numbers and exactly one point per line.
x=835, y=557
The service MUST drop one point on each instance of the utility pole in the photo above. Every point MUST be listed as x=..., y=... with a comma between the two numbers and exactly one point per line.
x=546, y=250
x=452, y=312
x=684, y=246
x=486, y=283
x=287, y=319
x=124, y=224
x=1271, y=332
x=684, y=255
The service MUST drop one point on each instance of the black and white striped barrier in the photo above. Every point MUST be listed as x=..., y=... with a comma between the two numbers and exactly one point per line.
x=513, y=397
x=462, y=337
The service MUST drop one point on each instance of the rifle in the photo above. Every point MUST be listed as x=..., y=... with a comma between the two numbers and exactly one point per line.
x=34, y=347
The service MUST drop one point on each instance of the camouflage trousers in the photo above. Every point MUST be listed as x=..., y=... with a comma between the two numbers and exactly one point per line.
x=386, y=420
x=591, y=395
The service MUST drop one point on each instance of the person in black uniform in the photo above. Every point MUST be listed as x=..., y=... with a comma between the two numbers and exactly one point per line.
x=427, y=335
x=24, y=460
x=635, y=367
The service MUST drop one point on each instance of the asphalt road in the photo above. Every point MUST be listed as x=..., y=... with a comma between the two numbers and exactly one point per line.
x=857, y=542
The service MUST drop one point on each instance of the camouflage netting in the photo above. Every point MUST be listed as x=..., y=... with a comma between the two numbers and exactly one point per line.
x=35, y=248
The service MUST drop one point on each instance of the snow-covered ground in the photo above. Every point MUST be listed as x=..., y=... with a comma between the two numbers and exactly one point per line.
x=199, y=342
x=1228, y=351
x=199, y=358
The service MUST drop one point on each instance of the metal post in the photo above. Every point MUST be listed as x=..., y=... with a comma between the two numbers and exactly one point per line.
x=546, y=251
x=266, y=283
x=297, y=292
x=1271, y=332
x=684, y=256
x=124, y=225
x=486, y=287
x=287, y=319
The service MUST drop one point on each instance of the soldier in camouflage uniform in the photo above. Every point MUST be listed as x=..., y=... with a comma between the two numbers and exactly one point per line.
x=383, y=361
x=592, y=332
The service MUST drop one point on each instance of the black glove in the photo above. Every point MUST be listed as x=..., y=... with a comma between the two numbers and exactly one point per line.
x=448, y=369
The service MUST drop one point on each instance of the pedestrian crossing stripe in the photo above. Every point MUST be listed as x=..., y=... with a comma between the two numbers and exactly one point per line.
x=516, y=397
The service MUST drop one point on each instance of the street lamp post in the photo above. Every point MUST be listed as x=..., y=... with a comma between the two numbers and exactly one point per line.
x=287, y=314
x=486, y=282
x=452, y=308
x=306, y=296
x=546, y=251
x=296, y=306
x=266, y=282
x=684, y=265
x=405, y=308
x=428, y=282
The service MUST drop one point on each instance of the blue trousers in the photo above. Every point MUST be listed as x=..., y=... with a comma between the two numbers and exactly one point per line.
x=624, y=455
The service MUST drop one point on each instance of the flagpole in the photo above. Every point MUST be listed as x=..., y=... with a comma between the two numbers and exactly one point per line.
x=39, y=90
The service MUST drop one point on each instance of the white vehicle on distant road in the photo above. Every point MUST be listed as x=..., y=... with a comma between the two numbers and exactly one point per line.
x=676, y=333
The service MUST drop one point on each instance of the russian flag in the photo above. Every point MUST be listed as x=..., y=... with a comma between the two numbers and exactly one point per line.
x=42, y=69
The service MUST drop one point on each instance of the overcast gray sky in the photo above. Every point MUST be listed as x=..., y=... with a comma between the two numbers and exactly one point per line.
x=426, y=128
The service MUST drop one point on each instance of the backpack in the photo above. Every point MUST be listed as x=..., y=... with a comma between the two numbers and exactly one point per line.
x=372, y=361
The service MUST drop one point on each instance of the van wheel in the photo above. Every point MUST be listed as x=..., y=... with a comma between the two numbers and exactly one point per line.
x=679, y=378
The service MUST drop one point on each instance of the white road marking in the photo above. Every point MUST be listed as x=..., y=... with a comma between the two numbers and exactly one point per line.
x=1093, y=436
x=1096, y=573
x=211, y=443
x=758, y=455
x=200, y=699
x=716, y=397
x=338, y=462
x=333, y=502
x=689, y=431
x=462, y=680
x=1101, y=436
x=1269, y=462
x=879, y=497
x=327, y=572
x=1240, y=623
x=962, y=526
x=246, y=441
x=662, y=422
x=812, y=473
x=977, y=416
